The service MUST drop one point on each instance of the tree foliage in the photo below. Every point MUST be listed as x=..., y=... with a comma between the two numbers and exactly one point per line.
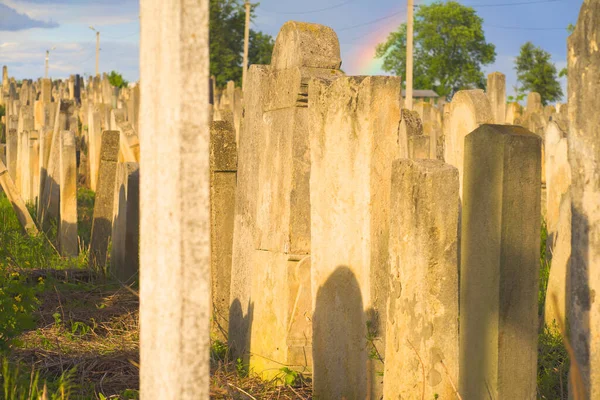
x=117, y=80
x=227, y=23
x=536, y=73
x=449, y=49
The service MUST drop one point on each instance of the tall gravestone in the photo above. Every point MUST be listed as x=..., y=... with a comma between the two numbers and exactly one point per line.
x=68, y=239
x=270, y=293
x=223, y=167
x=499, y=270
x=469, y=109
x=422, y=312
x=354, y=123
x=496, y=92
x=119, y=268
x=584, y=157
x=174, y=195
x=104, y=200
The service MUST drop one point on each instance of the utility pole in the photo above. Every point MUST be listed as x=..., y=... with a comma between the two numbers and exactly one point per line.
x=97, y=50
x=47, y=59
x=246, y=39
x=409, y=56
x=48, y=62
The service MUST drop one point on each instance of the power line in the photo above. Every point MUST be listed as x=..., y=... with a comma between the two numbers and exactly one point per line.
x=370, y=22
x=524, y=29
x=479, y=5
x=312, y=11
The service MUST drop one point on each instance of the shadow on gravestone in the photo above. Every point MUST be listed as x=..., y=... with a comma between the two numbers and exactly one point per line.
x=579, y=306
x=339, y=323
x=238, y=322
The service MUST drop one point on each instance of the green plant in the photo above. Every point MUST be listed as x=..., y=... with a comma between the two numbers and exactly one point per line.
x=553, y=365
x=18, y=384
x=290, y=377
x=218, y=351
x=18, y=301
x=241, y=368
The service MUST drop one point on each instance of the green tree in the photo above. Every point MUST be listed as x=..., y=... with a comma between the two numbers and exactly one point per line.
x=227, y=22
x=117, y=80
x=449, y=49
x=536, y=73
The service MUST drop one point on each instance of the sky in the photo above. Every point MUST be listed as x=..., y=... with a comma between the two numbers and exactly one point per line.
x=30, y=27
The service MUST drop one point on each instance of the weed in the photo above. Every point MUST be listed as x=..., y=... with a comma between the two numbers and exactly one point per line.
x=553, y=365
x=20, y=385
x=290, y=377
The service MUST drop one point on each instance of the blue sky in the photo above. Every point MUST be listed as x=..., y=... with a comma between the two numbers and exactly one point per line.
x=29, y=27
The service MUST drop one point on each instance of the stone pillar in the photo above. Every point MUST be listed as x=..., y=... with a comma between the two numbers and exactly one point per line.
x=271, y=251
x=418, y=147
x=534, y=103
x=12, y=193
x=422, y=316
x=558, y=174
x=68, y=239
x=130, y=143
x=46, y=96
x=469, y=109
x=514, y=111
x=49, y=199
x=223, y=167
x=499, y=272
x=496, y=93
x=95, y=139
x=34, y=165
x=411, y=126
x=584, y=157
x=105, y=197
x=352, y=149
x=174, y=195
x=12, y=149
x=118, y=268
x=132, y=236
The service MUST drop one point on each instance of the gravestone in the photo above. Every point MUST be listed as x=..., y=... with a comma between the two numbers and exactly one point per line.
x=354, y=124
x=68, y=239
x=270, y=293
x=584, y=157
x=469, y=109
x=174, y=193
x=104, y=200
x=496, y=93
x=223, y=167
x=499, y=271
x=422, y=312
x=119, y=268
x=12, y=193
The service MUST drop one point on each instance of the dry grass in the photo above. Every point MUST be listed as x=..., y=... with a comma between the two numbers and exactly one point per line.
x=226, y=383
x=93, y=329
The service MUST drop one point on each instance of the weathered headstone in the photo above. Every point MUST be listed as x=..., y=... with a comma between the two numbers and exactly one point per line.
x=271, y=251
x=584, y=157
x=104, y=201
x=95, y=139
x=496, y=93
x=499, y=272
x=12, y=193
x=223, y=167
x=469, y=110
x=174, y=193
x=34, y=165
x=514, y=111
x=352, y=144
x=422, y=316
x=68, y=239
x=118, y=266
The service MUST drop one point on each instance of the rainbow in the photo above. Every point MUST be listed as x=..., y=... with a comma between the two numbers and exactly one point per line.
x=363, y=56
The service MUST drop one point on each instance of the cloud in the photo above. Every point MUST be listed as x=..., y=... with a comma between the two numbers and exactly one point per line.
x=12, y=20
x=86, y=12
